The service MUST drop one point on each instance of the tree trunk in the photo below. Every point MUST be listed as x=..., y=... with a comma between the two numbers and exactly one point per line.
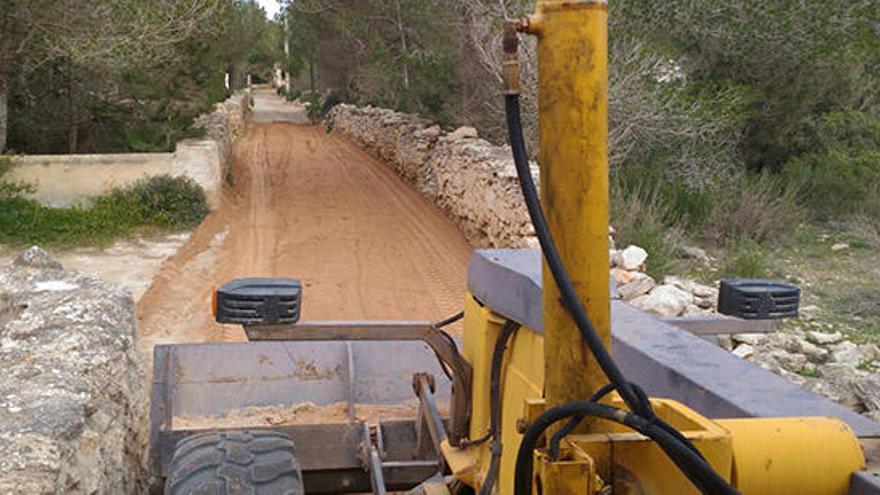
x=403, y=47
x=4, y=114
x=312, y=72
x=73, y=127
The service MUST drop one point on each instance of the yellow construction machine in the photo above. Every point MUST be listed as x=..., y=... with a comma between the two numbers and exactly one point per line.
x=530, y=400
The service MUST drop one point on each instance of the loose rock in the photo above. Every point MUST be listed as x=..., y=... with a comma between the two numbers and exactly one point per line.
x=463, y=133
x=753, y=339
x=665, y=301
x=743, y=351
x=639, y=284
x=823, y=338
x=632, y=258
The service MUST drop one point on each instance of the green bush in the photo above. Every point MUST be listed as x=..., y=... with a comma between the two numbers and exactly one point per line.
x=293, y=95
x=643, y=219
x=758, y=207
x=684, y=204
x=744, y=259
x=162, y=201
x=157, y=204
x=11, y=189
x=838, y=183
x=313, y=109
x=842, y=176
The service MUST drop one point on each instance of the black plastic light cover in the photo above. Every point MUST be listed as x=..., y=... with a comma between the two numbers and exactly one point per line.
x=758, y=299
x=259, y=301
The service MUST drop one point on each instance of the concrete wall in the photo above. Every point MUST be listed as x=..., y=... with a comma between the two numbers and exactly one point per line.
x=66, y=180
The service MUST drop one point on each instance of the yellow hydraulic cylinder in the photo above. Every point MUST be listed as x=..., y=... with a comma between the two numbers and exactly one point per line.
x=573, y=104
x=806, y=456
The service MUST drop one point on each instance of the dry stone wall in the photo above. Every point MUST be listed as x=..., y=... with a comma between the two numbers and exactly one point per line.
x=471, y=180
x=226, y=124
x=72, y=386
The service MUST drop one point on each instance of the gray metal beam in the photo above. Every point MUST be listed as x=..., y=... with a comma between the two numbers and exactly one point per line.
x=864, y=483
x=665, y=360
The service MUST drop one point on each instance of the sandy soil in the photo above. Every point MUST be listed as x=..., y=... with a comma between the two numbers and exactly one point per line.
x=312, y=206
x=306, y=413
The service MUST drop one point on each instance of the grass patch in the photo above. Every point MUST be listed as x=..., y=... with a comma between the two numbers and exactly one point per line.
x=157, y=204
x=861, y=302
x=867, y=230
x=809, y=371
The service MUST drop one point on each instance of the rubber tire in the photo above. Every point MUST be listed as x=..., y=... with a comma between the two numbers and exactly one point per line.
x=235, y=463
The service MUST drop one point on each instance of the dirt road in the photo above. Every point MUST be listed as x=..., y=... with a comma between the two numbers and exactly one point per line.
x=312, y=206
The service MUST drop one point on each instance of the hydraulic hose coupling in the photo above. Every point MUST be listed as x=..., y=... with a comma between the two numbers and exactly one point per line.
x=510, y=66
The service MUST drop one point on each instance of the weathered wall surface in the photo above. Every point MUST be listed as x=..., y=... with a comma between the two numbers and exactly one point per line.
x=66, y=180
x=471, y=180
x=72, y=386
x=225, y=124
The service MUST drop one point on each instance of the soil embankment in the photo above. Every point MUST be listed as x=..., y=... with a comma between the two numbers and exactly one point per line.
x=312, y=206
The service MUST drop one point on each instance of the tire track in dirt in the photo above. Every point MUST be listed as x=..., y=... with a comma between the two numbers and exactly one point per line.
x=312, y=206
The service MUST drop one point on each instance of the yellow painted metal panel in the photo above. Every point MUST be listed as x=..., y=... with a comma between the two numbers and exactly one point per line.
x=522, y=378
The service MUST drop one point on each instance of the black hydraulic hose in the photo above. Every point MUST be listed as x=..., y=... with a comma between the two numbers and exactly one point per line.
x=698, y=471
x=501, y=342
x=450, y=320
x=570, y=426
x=570, y=299
x=680, y=451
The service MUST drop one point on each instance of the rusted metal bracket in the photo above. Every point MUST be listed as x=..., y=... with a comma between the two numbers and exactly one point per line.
x=371, y=457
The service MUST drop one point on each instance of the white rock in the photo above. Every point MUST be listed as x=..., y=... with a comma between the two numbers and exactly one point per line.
x=693, y=287
x=823, y=338
x=724, y=341
x=664, y=301
x=639, y=285
x=869, y=352
x=465, y=132
x=431, y=132
x=631, y=258
x=813, y=352
x=847, y=353
x=753, y=339
x=743, y=351
x=841, y=246
x=869, y=392
x=790, y=361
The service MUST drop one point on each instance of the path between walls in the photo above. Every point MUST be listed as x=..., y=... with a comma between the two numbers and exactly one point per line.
x=313, y=206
